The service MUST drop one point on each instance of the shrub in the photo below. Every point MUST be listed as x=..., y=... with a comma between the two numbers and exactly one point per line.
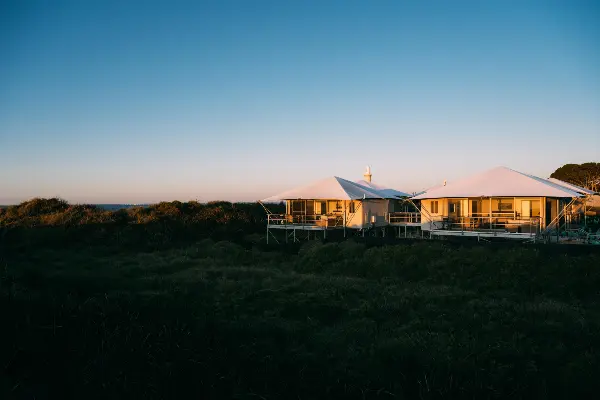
x=161, y=223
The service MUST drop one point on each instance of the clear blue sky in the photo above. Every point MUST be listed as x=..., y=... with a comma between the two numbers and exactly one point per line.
x=140, y=101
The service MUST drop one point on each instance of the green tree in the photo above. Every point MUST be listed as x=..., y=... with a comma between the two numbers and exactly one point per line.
x=586, y=175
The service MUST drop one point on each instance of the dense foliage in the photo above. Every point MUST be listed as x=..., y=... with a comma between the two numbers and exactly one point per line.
x=57, y=212
x=586, y=175
x=54, y=222
x=153, y=303
x=215, y=319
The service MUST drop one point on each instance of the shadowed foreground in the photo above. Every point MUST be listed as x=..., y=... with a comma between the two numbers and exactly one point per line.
x=218, y=320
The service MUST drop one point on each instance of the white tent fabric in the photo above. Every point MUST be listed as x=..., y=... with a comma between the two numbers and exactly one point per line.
x=388, y=192
x=330, y=188
x=427, y=190
x=571, y=186
x=499, y=182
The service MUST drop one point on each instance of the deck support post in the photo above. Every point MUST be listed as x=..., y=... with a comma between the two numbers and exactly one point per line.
x=490, y=213
x=267, y=233
x=557, y=220
x=345, y=218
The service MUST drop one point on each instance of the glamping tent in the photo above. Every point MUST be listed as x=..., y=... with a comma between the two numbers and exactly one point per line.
x=401, y=211
x=331, y=203
x=500, y=202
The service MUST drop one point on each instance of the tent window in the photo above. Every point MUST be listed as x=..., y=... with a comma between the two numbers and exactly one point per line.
x=298, y=206
x=335, y=206
x=310, y=207
x=535, y=208
x=505, y=205
x=320, y=207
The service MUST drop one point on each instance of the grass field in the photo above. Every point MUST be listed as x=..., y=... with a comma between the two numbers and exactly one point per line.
x=415, y=320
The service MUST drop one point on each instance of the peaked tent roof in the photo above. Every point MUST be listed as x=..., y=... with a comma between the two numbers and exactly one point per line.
x=499, y=182
x=428, y=189
x=329, y=188
x=571, y=186
x=388, y=192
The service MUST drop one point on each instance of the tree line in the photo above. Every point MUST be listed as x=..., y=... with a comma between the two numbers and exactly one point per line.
x=586, y=175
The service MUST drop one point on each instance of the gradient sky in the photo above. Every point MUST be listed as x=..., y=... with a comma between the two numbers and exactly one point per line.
x=141, y=101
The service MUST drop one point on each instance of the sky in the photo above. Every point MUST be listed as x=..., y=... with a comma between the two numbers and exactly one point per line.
x=144, y=101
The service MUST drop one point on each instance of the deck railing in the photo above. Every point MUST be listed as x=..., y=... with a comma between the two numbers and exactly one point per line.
x=498, y=222
x=404, y=217
x=325, y=221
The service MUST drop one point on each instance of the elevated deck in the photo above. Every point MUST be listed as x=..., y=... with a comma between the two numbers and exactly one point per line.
x=488, y=223
x=484, y=234
x=495, y=225
x=305, y=222
x=302, y=227
x=404, y=219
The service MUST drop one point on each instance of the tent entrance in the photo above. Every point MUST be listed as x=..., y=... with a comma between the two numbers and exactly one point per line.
x=454, y=208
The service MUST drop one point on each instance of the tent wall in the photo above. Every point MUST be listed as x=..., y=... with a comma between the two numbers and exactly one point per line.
x=354, y=220
x=400, y=206
x=377, y=209
x=363, y=209
x=521, y=207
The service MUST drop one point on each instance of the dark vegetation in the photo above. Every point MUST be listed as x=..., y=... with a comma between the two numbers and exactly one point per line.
x=55, y=223
x=97, y=315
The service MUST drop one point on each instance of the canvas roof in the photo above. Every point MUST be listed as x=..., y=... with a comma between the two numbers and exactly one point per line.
x=330, y=188
x=388, y=192
x=499, y=182
x=427, y=190
x=571, y=186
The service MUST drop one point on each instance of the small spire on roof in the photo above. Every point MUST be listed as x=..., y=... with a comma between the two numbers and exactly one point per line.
x=367, y=174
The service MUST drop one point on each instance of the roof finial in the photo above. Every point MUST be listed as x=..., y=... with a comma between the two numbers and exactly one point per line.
x=367, y=174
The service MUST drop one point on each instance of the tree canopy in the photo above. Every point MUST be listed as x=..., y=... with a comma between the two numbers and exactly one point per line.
x=586, y=175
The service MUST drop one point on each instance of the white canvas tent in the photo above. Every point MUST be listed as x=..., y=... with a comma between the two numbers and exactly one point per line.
x=500, y=182
x=572, y=187
x=427, y=190
x=329, y=188
x=499, y=202
x=331, y=203
x=386, y=191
